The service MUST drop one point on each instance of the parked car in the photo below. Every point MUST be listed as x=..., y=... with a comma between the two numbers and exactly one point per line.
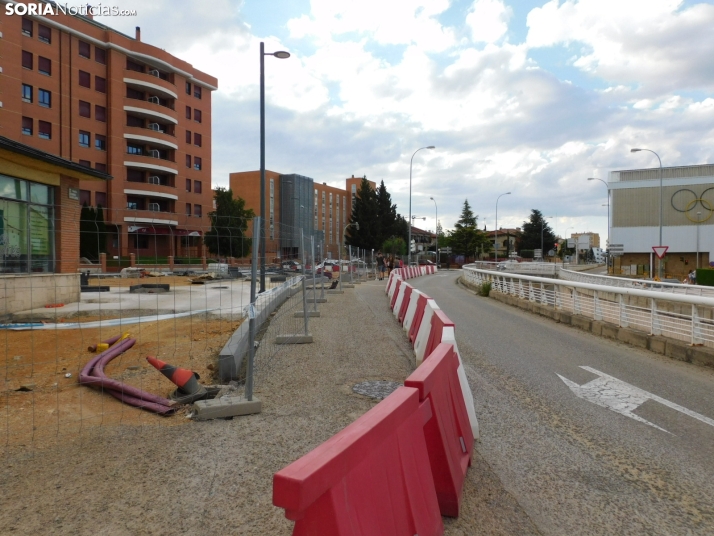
x=292, y=266
x=426, y=262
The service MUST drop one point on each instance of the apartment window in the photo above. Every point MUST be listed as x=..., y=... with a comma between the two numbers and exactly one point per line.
x=134, y=175
x=44, y=130
x=197, y=91
x=100, y=84
x=188, y=136
x=85, y=163
x=83, y=138
x=188, y=88
x=84, y=49
x=134, y=149
x=44, y=33
x=84, y=79
x=197, y=211
x=85, y=197
x=26, y=93
x=100, y=198
x=100, y=55
x=134, y=203
x=188, y=185
x=134, y=94
x=103, y=168
x=188, y=108
x=133, y=66
x=44, y=98
x=197, y=116
x=188, y=209
x=100, y=142
x=44, y=65
x=100, y=113
x=133, y=121
x=197, y=162
x=197, y=186
x=26, y=27
x=27, y=59
x=197, y=139
x=27, y=126
x=188, y=160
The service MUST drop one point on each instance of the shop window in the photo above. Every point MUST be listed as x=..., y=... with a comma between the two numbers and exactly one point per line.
x=44, y=33
x=26, y=93
x=44, y=130
x=27, y=126
x=44, y=98
x=140, y=241
x=27, y=59
x=100, y=113
x=197, y=116
x=85, y=109
x=44, y=65
x=83, y=138
x=27, y=27
x=197, y=187
x=100, y=55
x=84, y=49
x=100, y=142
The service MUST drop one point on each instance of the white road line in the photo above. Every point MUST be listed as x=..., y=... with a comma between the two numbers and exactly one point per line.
x=623, y=398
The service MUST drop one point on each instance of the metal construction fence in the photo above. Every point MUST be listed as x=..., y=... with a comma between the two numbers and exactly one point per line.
x=681, y=317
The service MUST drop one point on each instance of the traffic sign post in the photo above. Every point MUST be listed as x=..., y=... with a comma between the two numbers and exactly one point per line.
x=660, y=251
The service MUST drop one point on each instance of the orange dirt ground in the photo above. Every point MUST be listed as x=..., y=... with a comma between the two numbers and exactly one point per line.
x=56, y=407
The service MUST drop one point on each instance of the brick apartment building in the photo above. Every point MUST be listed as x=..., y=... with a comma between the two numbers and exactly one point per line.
x=80, y=90
x=295, y=202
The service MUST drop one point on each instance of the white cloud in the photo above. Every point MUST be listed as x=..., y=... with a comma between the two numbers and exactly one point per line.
x=488, y=20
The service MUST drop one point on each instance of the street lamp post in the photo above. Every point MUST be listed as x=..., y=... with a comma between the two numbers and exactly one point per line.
x=495, y=241
x=608, y=217
x=660, y=203
x=410, y=242
x=436, y=230
x=542, y=226
x=281, y=54
x=409, y=251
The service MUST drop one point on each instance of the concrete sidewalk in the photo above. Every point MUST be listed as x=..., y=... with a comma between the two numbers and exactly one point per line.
x=184, y=477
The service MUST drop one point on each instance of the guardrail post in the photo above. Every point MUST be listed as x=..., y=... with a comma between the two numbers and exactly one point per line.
x=531, y=293
x=597, y=314
x=696, y=326
x=576, y=302
x=623, y=322
x=557, y=301
x=521, y=293
x=655, y=325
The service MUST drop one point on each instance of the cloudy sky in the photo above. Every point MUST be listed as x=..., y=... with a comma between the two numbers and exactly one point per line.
x=522, y=96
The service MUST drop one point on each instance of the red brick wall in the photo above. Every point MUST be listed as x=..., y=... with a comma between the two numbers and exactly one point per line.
x=66, y=227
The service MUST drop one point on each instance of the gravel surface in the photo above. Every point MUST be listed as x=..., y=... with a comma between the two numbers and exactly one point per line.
x=216, y=477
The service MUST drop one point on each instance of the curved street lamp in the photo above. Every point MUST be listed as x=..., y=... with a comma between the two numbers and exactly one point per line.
x=495, y=240
x=436, y=229
x=660, y=203
x=281, y=54
x=409, y=245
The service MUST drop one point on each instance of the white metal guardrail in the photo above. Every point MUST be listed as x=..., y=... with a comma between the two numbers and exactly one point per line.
x=623, y=282
x=677, y=316
x=537, y=268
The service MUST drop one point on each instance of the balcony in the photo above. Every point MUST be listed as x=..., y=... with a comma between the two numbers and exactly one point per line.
x=149, y=217
x=150, y=83
x=150, y=110
x=151, y=190
x=150, y=163
x=150, y=136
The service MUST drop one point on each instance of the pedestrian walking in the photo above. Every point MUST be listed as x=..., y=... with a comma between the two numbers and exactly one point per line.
x=381, y=265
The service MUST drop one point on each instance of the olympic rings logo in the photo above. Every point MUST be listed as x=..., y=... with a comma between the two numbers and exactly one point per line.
x=685, y=200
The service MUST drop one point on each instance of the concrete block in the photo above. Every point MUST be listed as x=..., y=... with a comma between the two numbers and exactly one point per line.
x=316, y=300
x=633, y=338
x=609, y=331
x=581, y=322
x=310, y=314
x=565, y=318
x=700, y=355
x=347, y=285
x=657, y=344
x=549, y=312
x=596, y=327
x=334, y=292
x=227, y=406
x=677, y=350
x=293, y=339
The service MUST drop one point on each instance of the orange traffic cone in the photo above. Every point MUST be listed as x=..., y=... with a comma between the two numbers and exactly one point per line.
x=189, y=390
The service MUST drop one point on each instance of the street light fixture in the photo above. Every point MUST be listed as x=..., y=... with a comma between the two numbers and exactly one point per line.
x=608, y=216
x=660, y=203
x=281, y=54
x=436, y=229
x=409, y=254
x=495, y=241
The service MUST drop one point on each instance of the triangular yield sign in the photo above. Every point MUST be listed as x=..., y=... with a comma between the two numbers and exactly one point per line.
x=660, y=250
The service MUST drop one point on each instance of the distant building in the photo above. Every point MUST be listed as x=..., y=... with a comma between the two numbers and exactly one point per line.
x=506, y=245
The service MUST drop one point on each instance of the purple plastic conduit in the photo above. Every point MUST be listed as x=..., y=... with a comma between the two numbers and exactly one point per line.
x=110, y=341
x=93, y=375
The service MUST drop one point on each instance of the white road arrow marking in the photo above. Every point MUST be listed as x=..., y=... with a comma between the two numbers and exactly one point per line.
x=623, y=398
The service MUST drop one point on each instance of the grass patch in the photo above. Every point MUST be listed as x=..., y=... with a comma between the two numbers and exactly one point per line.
x=485, y=289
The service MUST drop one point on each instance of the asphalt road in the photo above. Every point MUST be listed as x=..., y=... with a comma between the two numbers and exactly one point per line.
x=574, y=464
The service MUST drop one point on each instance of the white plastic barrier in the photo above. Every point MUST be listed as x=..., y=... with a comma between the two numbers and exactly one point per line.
x=424, y=329
x=448, y=335
x=400, y=298
x=411, y=310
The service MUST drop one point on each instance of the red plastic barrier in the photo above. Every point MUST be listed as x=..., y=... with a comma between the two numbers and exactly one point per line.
x=392, y=278
x=405, y=304
x=418, y=315
x=439, y=320
x=449, y=439
x=373, y=478
x=395, y=295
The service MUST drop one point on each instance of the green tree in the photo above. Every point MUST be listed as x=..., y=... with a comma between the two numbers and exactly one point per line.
x=386, y=214
x=229, y=222
x=394, y=246
x=466, y=239
x=365, y=212
x=531, y=234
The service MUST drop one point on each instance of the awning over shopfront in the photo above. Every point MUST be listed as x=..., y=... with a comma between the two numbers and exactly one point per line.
x=161, y=230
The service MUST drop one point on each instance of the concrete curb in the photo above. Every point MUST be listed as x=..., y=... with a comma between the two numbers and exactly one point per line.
x=679, y=350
